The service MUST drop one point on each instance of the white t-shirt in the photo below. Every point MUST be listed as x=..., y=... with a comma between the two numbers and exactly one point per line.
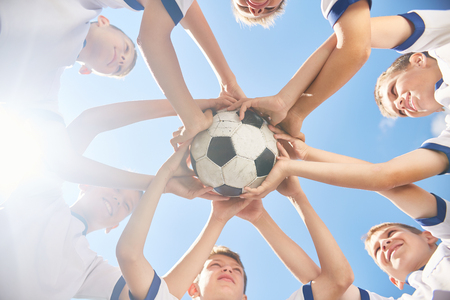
x=432, y=34
x=44, y=254
x=433, y=282
x=38, y=40
x=332, y=10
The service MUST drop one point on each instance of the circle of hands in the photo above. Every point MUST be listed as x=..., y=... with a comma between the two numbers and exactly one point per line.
x=247, y=206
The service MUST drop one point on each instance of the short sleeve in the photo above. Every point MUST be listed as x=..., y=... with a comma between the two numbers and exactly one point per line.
x=431, y=30
x=439, y=225
x=177, y=9
x=441, y=144
x=158, y=290
x=332, y=10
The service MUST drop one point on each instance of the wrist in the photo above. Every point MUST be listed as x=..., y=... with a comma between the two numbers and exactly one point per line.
x=261, y=220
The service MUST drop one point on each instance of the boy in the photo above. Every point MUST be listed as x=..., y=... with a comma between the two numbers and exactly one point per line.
x=44, y=252
x=211, y=276
x=396, y=248
x=323, y=73
x=409, y=92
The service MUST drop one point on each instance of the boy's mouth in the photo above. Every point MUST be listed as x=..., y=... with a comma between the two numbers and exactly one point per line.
x=108, y=206
x=392, y=250
x=114, y=57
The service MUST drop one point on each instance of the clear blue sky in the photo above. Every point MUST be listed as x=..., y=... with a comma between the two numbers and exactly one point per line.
x=263, y=61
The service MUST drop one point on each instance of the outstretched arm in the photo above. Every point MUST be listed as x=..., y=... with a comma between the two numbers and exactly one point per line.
x=289, y=252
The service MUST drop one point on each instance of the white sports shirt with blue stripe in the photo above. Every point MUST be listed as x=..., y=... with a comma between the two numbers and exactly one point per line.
x=432, y=34
x=332, y=10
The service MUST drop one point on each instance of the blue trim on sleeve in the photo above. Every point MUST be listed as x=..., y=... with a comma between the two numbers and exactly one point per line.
x=174, y=10
x=153, y=290
x=438, y=84
x=419, y=28
x=118, y=288
x=307, y=292
x=134, y=4
x=364, y=294
x=439, y=218
x=339, y=8
x=440, y=148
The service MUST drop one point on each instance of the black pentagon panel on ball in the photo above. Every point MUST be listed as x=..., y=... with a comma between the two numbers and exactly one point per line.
x=252, y=118
x=264, y=163
x=228, y=191
x=221, y=150
x=194, y=164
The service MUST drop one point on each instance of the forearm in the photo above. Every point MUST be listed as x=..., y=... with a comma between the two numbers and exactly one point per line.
x=318, y=155
x=307, y=72
x=410, y=167
x=196, y=25
x=181, y=276
x=83, y=170
x=289, y=252
x=99, y=119
x=336, y=274
x=135, y=268
x=158, y=52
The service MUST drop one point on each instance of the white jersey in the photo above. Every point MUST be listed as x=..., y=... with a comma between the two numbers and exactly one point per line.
x=158, y=290
x=332, y=10
x=44, y=253
x=432, y=34
x=38, y=40
x=433, y=282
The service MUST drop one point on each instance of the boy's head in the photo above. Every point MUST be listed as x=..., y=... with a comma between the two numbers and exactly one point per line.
x=407, y=87
x=105, y=208
x=108, y=51
x=254, y=12
x=399, y=249
x=223, y=275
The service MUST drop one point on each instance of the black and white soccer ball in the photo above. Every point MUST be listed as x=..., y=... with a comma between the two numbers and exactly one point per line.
x=233, y=154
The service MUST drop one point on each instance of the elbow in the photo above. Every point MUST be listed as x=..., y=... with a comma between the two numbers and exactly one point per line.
x=385, y=178
x=125, y=254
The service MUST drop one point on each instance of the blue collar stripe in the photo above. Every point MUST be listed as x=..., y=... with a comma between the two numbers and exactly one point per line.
x=174, y=10
x=307, y=292
x=82, y=220
x=339, y=8
x=419, y=28
x=364, y=294
x=118, y=288
x=439, y=218
x=134, y=4
x=439, y=83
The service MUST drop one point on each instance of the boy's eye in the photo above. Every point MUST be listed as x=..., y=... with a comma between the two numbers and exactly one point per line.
x=402, y=113
x=238, y=270
x=376, y=251
x=269, y=9
x=119, y=69
x=390, y=233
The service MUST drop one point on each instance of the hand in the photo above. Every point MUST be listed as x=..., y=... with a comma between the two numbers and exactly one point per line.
x=296, y=147
x=252, y=212
x=222, y=211
x=232, y=90
x=273, y=180
x=187, y=133
x=289, y=187
x=176, y=165
x=272, y=107
x=216, y=104
x=190, y=187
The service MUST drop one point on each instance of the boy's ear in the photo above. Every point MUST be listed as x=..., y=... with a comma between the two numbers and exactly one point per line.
x=84, y=70
x=397, y=283
x=102, y=21
x=431, y=240
x=194, y=291
x=418, y=59
x=244, y=297
x=107, y=230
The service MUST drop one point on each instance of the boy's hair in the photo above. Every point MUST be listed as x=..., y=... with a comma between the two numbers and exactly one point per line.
x=265, y=22
x=133, y=62
x=381, y=226
x=222, y=250
x=400, y=64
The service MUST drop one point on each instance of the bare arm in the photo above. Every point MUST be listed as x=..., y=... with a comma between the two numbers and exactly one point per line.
x=196, y=25
x=289, y=252
x=389, y=32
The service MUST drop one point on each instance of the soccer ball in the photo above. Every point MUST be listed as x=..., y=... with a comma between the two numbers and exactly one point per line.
x=233, y=154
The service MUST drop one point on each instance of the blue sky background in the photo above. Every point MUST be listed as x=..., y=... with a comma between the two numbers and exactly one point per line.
x=263, y=61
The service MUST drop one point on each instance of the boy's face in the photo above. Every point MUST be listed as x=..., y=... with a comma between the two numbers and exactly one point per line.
x=108, y=50
x=410, y=93
x=106, y=207
x=221, y=278
x=398, y=251
x=256, y=8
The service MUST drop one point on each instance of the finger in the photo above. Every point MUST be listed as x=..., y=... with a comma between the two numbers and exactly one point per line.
x=208, y=114
x=301, y=136
x=283, y=152
x=243, y=109
x=275, y=129
x=176, y=133
x=213, y=197
x=284, y=137
x=235, y=105
x=174, y=143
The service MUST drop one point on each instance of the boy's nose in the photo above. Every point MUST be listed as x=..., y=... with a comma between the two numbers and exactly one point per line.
x=122, y=59
x=385, y=244
x=399, y=103
x=255, y=11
